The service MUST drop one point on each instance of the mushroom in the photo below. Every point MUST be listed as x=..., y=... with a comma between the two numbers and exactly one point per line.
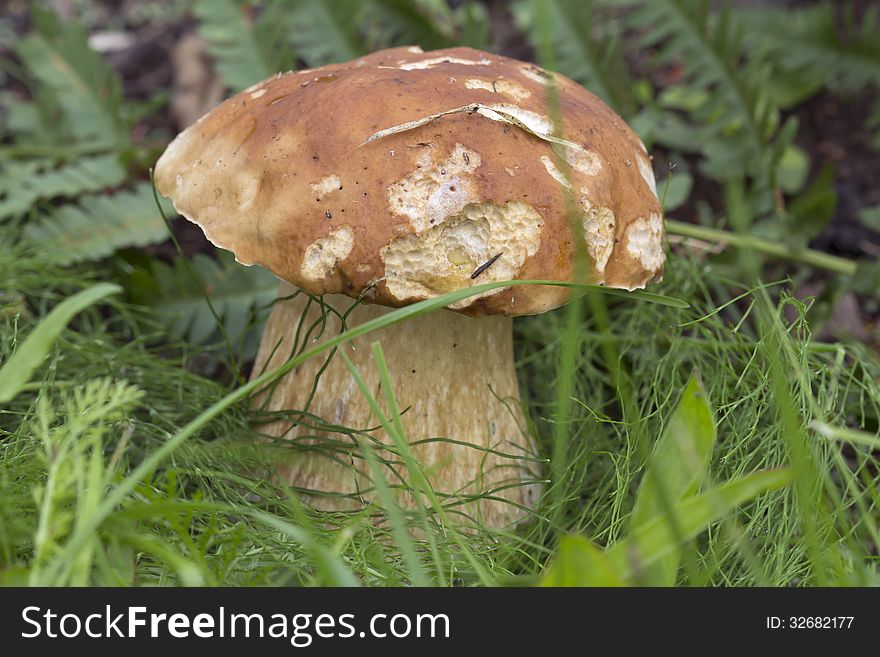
x=395, y=178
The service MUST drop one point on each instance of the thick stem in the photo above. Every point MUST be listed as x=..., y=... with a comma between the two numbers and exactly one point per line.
x=807, y=256
x=454, y=379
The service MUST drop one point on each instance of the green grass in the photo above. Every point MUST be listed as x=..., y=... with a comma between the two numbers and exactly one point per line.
x=112, y=395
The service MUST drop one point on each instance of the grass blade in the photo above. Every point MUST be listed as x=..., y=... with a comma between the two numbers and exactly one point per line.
x=332, y=567
x=18, y=369
x=675, y=471
x=651, y=542
x=580, y=562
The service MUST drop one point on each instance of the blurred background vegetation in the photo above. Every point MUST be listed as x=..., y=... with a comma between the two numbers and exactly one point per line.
x=763, y=119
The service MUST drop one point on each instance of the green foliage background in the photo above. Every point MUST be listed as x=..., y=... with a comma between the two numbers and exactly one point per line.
x=126, y=451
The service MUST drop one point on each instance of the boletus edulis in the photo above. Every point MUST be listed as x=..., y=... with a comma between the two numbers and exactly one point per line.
x=394, y=178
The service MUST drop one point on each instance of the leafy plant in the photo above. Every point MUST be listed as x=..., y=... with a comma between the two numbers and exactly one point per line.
x=235, y=41
x=180, y=294
x=675, y=471
x=579, y=562
x=587, y=48
x=26, y=182
x=71, y=145
x=250, y=45
x=82, y=84
x=96, y=226
x=325, y=32
x=668, y=509
x=738, y=123
x=819, y=45
x=426, y=23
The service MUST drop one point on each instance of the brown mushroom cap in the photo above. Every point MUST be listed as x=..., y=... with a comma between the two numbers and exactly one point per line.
x=338, y=180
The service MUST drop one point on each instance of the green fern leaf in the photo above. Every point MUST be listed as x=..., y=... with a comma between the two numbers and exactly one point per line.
x=683, y=31
x=324, y=32
x=31, y=123
x=590, y=56
x=22, y=184
x=808, y=40
x=234, y=291
x=98, y=225
x=739, y=124
x=807, y=45
x=426, y=23
x=233, y=43
x=84, y=86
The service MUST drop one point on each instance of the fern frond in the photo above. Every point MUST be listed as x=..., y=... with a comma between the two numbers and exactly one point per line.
x=587, y=50
x=324, y=32
x=808, y=43
x=808, y=40
x=98, y=225
x=81, y=82
x=23, y=183
x=234, y=291
x=426, y=23
x=738, y=119
x=30, y=122
x=233, y=43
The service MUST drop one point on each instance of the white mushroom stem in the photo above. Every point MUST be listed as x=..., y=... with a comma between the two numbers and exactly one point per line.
x=454, y=380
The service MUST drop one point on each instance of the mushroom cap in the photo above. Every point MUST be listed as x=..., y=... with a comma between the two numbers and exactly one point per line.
x=403, y=174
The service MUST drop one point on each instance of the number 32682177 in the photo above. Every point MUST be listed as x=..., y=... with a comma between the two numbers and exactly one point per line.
x=810, y=622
